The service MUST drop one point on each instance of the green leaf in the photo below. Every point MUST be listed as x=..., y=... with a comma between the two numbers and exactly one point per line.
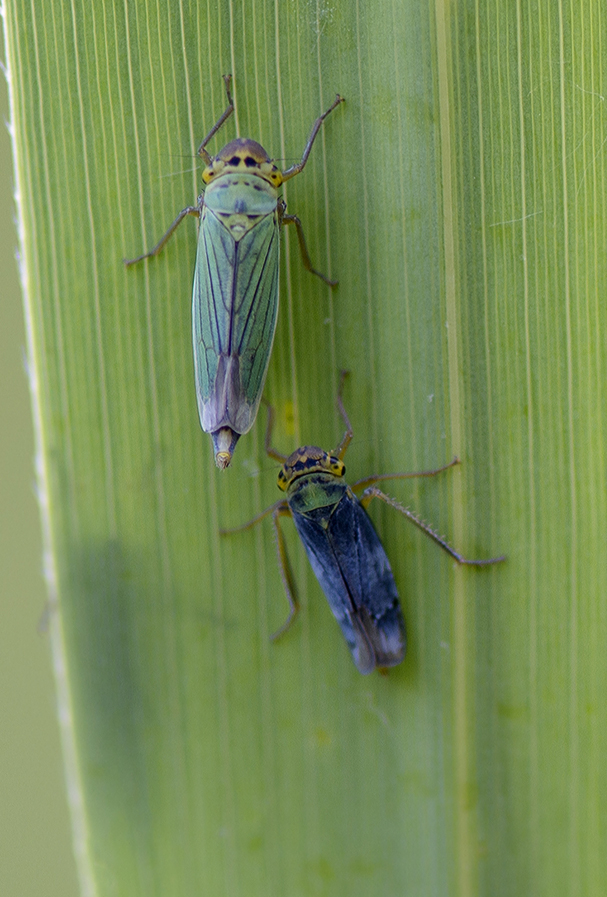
x=458, y=196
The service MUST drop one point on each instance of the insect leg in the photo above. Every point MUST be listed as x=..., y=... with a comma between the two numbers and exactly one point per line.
x=251, y=523
x=286, y=574
x=271, y=452
x=201, y=149
x=280, y=509
x=305, y=255
x=295, y=169
x=373, y=492
x=190, y=210
x=341, y=449
x=377, y=478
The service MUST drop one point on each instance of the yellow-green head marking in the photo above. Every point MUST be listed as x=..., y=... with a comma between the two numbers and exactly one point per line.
x=306, y=460
x=243, y=155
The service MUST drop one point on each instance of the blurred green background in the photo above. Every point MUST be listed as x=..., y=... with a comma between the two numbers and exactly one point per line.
x=467, y=220
x=35, y=840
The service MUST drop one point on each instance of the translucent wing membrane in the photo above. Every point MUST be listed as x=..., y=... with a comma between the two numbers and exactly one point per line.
x=234, y=308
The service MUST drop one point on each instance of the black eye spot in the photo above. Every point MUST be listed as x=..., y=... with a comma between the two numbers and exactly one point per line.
x=250, y=162
x=235, y=160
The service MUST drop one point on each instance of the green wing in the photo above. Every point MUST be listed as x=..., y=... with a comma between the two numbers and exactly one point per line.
x=234, y=307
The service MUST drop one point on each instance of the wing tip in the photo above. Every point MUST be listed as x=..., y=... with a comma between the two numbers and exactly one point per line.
x=378, y=644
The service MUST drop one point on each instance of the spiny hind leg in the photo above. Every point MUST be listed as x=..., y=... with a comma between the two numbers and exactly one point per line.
x=373, y=492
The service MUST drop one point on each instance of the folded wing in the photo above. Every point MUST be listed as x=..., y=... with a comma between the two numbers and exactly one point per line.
x=354, y=572
x=234, y=308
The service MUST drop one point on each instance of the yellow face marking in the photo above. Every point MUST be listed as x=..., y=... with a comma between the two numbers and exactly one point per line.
x=243, y=154
x=309, y=459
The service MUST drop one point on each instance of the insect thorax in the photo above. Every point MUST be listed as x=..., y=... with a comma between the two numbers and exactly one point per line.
x=240, y=200
x=316, y=495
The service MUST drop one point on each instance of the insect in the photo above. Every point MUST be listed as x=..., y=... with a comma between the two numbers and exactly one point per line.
x=343, y=547
x=235, y=292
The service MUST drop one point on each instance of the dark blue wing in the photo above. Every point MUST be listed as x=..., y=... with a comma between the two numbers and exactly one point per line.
x=354, y=572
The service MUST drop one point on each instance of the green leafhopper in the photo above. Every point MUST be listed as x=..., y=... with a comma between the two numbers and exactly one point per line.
x=235, y=292
x=343, y=547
